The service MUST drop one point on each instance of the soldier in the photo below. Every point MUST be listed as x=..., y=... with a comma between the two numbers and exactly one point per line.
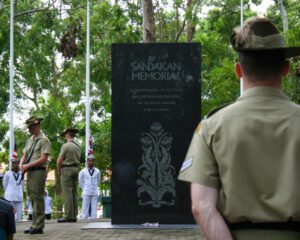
x=13, y=187
x=34, y=160
x=89, y=179
x=243, y=161
x=68, y=164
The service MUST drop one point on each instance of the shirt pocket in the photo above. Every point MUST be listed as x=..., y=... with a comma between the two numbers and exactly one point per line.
x=37, y=151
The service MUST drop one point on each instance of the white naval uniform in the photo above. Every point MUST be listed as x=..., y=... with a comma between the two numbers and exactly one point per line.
x=48, y=205
x=13, y=187
x=89, y=182
x=29, y=206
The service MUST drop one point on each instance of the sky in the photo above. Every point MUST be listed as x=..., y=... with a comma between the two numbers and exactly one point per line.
x=261, y=9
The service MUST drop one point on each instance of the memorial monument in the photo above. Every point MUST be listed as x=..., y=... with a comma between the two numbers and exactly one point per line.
x=156, y=106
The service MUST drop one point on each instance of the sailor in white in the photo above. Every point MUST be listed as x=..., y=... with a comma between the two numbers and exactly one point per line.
x=13, y=187
x=89, y=179
x=48, y=205
x=29, y=208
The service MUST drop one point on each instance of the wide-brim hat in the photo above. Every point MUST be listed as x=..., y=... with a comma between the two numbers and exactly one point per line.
x=260, y=34
x=33, y=120
x=69, y=129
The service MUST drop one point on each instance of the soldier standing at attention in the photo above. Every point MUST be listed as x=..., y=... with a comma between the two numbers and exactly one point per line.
x=89, y=179
x=68, y=164
x=243, y=161
x=34, y=160
x=13, y=187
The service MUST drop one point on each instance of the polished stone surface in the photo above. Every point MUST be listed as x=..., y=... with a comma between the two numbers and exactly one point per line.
x=108, y=225
x=156, y=105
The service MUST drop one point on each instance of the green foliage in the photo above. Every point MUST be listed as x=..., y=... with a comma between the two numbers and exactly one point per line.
x=50, y=47
x=102, y=149
x=219, y=84
x=291, y=83
x=4, y=61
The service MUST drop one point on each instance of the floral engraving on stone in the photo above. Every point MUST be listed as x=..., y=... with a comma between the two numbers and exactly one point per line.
x=156, y=175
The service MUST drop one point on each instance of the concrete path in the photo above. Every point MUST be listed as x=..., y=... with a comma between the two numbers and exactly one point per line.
x=68, y=231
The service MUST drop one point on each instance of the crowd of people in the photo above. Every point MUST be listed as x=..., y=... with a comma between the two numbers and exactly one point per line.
x=34, y=163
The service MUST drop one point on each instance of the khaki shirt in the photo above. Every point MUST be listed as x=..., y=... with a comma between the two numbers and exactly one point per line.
x=250, y=150
x=41, y=147
x=70, y=154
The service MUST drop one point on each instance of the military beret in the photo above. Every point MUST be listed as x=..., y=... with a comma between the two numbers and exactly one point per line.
x=33, y=120
x=69, y=129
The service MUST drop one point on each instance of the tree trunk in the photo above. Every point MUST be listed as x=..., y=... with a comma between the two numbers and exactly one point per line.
x=283, y=15
x=177, y=20
x=1, y=4
x=189, y=24
x=148, y=22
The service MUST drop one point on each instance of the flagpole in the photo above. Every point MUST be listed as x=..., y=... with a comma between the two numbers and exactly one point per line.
x=242, y=23
x=87, y=112
x=11, y=84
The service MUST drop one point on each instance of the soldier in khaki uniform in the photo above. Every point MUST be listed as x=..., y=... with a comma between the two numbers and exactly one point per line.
x=243, y=161
x=68, y=166
x=37, y=150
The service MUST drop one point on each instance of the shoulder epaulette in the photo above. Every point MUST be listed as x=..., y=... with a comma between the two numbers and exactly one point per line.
x=213, y=111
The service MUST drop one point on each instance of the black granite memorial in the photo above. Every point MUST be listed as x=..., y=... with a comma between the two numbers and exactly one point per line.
x=156, y=106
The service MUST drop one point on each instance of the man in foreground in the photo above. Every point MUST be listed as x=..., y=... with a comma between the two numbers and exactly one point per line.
x=7, y=220
x=243, y=161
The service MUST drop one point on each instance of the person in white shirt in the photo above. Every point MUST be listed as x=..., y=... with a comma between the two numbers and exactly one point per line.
x=48, y=206
x=29, y=208
x=89, y=179
x=13, y=187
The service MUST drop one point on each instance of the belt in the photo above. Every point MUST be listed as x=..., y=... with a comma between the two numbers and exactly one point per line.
x=71, y=165
x=287, y=226
x=36, y=168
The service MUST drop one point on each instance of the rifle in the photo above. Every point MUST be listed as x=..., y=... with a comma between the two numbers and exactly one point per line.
x=28, y=159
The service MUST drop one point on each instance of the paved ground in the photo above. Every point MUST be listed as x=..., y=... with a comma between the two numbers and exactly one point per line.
x=68, y=231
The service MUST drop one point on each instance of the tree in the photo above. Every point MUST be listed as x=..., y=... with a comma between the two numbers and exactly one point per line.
x=148, y=22
x=191, y=18
x=291, y=83
x=50, y=58
x=284, y=15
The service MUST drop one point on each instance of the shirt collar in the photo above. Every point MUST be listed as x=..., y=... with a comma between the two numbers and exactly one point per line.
x=41, y=135
x=264, y=92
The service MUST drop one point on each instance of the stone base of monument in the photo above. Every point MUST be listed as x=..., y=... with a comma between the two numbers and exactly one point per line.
x=108, y=225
